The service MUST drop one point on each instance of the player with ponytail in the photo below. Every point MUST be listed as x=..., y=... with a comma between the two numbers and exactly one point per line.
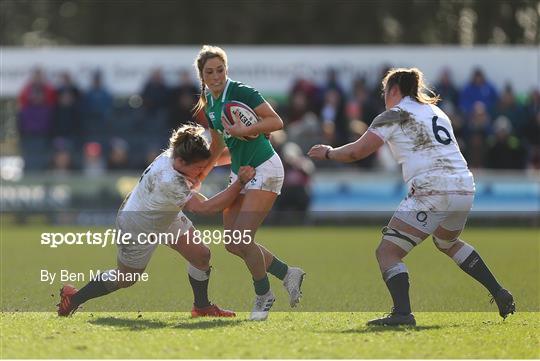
x=440, y=189
x=250, y=209
x=155, y=206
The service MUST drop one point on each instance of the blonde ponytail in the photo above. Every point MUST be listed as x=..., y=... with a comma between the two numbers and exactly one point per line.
x=411, y=83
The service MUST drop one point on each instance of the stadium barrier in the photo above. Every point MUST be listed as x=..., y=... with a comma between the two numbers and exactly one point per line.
x=335, y=197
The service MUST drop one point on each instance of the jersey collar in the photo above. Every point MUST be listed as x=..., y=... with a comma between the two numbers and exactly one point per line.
x=223, y=95
x=406, y=99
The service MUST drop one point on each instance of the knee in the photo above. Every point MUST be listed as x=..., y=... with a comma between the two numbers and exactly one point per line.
x=379, y=252
x=235, y=249
x=203, y=257
x=447, y=247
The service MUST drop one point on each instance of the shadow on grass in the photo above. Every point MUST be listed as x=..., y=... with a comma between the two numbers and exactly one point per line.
x=145, y=324
x=129, y=323
x=375, y=329
x=209, y=323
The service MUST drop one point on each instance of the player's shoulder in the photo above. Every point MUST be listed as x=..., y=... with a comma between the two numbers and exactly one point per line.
x=162, y=161
x=163, y=170
x=240, y=87
x=392, y=116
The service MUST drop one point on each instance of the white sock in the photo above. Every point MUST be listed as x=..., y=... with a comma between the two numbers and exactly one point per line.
x=462, y=254
x=198, y=274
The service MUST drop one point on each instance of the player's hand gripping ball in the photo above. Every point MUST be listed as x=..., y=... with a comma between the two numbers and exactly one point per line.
x=237, y=117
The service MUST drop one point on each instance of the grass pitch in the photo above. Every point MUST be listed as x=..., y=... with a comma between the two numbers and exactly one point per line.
x=343, y=289
x=284, y=335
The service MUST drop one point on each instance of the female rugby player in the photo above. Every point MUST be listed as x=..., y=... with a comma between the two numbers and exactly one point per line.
x=155, y=206
x=441, y=189
x=257, y=198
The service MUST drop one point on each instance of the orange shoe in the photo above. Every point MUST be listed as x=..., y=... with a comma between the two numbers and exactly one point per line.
x=211, y=311
x=65, y=308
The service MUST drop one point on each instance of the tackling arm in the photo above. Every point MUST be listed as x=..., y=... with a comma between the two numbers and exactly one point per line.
x=360, y=149
x=217, y=147
x=199, y=204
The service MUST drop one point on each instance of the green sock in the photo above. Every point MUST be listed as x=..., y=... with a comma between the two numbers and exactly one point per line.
x=278, y=268
x=262, y=286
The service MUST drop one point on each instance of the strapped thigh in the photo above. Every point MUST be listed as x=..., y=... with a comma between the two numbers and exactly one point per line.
x=403, y=240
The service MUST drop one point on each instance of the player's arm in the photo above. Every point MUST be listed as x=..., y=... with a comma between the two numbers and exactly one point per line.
x=217, y=147
x=224, y=158
x=269, y=121
x=360, y=149
x=222, y=200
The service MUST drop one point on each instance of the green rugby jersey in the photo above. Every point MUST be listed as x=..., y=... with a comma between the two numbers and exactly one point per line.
x=243, y=152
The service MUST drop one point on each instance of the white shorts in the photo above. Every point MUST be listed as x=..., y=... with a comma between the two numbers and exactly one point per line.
x=427, y=212
x=269, y=176
x=137, y=255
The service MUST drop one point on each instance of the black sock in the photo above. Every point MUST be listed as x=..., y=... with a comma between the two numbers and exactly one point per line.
x=477, y=269
x=278, y=268
x=398, y=286
x=200, y=292
x=93, y=289
x=262, y=286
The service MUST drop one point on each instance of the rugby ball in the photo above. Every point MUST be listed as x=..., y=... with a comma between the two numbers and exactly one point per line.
x=235, y=111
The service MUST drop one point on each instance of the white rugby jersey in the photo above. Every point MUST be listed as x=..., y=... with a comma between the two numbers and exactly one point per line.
x=156, y=200
x=421, y=139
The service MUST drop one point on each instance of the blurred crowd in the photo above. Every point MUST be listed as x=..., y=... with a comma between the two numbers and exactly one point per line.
x=64, y=128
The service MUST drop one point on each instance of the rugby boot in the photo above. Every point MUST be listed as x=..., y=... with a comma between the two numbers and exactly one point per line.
x=262, y=306
x=211, y=311
x=293, y=283
x=65, y=307
x=394, y=319
x=505, y=302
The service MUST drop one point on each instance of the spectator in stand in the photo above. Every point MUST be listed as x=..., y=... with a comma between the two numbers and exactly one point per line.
x=458, y=125
x=37, y=83
x=98, y=103
x=478, y=128
x=306, y=132
x=295, y=195
x=182, y=100
x=61, y=161
x=67, y=122
x=533, y=139
x=361, y=106
x=298, y=107
x=118, y=158
x=155, y=94
x=447, y=90
x=93, y=163
x=311, y=91
x=36, y=105
x=334, y=121
x=376, y=93
x=532, y=128
x=505, y=150
x=533, y=103
x=511, y=109
x=332, y=82
x=478, y=90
